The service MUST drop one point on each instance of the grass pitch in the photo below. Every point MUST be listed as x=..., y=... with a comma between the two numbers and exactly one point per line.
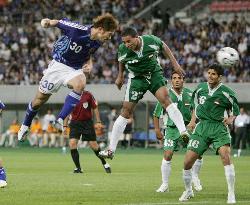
x=44, y=176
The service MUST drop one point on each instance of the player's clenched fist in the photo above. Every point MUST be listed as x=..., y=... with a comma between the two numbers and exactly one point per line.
x=119, y=82
x=45, y=23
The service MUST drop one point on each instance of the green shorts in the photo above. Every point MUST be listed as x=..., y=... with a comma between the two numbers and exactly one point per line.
x=139, y=85
x=207, y=133
x=172, y=139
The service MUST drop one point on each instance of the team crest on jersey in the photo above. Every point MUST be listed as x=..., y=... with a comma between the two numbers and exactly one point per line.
x=85, y=105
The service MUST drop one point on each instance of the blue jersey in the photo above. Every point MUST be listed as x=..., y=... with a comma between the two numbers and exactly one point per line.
x=74, y=47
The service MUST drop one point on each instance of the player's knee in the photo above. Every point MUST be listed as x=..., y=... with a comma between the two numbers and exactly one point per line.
x=126, y=112
x=225, y=158
x=39, y=101
x=188, y=163
x=168, y=156
x=72, y=144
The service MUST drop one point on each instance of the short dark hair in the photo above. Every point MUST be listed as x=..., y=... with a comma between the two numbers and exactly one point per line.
x=218, y=68
x=129, y=31
x=177, y=72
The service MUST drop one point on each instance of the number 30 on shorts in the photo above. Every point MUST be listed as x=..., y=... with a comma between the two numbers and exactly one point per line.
x=193, y=143
x=47, y=85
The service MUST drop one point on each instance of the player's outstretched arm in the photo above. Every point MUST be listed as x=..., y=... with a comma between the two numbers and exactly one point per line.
x=168, y=54
x=157, y=128
x=191, y=125
x=229, y=120
x=46, y=23
x=120, y=78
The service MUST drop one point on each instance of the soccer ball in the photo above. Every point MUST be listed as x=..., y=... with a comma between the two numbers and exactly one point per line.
x=227, y=57
x=3, y=183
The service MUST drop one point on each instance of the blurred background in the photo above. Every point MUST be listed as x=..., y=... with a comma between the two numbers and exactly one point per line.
x=193, y=29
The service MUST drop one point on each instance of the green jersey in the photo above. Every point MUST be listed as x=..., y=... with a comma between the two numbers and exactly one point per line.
x=145, y=61
x=183, y=102
x=214, y=104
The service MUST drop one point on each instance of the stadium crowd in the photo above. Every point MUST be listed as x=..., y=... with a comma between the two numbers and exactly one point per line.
x=25, y=48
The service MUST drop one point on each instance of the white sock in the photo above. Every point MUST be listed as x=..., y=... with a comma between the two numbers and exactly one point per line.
x=117, y=131
x=165, y=170
x=176, y=116
x=230, y=176
x=196, y=168
x=187, y=179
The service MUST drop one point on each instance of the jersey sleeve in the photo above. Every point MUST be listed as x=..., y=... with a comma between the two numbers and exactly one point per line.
x=93, y=101
x=234, y=103
x=194, y=99
x=158, y=110
x=121, y=54
x=67, y=26
x=157, y=41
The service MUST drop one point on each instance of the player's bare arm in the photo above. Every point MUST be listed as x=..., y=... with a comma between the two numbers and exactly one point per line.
x=97, y=115
x=191, y=125
x=87, y=68
x=46, y=23
x=65, y=125
x=229, y=120
x=168, y=54
x=120, y=78
x=157, y=128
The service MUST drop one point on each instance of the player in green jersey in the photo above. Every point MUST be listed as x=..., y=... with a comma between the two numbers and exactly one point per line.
x=216, y=106
x=139, y=55
x=181, y=96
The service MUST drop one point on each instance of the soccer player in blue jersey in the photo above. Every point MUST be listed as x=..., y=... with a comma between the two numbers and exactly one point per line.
x=71, y=58
x=3, y=181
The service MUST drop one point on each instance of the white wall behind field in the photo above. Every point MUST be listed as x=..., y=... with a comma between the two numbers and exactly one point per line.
x=11, y=94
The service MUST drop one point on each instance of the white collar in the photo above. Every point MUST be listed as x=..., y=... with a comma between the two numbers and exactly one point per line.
x=139, y=53
x=212, y=91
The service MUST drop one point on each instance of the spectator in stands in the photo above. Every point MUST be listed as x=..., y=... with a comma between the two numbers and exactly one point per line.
x=25, y=49
x=11, y=134
x=35, y=132
x=241, y=123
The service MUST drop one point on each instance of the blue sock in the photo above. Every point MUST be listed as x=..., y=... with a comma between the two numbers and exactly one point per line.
x=30, y=114
x=70, y=102
x=2, y=174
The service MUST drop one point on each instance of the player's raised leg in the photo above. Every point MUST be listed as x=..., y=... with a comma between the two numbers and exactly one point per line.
x=31, y=112
x=224, y=152
x=77, y=83
x=173, y=112
x=118, y=129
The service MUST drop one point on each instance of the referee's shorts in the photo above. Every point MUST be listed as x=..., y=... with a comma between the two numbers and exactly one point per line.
x=83, y=130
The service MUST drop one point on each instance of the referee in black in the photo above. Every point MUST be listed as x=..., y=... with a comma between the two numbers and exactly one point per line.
x=82, y=127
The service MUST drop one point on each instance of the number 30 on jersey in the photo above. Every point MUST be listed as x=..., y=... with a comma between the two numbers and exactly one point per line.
x=74, y=47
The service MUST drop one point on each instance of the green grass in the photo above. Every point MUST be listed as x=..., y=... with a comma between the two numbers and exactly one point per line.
x=44, y=176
